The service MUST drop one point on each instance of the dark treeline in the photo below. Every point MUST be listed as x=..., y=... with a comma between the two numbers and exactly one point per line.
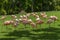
x=15, y=6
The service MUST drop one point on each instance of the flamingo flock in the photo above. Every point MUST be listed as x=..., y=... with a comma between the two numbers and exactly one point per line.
x=25, y=20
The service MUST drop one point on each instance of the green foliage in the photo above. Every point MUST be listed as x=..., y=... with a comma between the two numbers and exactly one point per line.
x=3, y=12
x=28, y=5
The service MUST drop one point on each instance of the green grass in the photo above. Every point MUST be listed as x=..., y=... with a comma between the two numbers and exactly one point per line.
x=29, y=33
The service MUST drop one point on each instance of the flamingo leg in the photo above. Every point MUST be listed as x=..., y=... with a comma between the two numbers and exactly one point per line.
x=54, y=23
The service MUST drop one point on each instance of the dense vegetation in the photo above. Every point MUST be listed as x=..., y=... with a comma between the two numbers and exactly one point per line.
x=15, y=6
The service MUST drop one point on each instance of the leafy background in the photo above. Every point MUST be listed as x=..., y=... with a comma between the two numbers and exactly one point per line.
x=15, y=6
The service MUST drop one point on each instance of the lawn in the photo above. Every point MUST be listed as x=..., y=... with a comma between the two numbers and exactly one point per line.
x=40, y=33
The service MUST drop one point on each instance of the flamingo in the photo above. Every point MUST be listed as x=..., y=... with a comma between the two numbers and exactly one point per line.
x=49, y=22
x=28, y=14
x=37, y=16
x=6, y=23
x=13, y=17
x=43, y=14
x=53, y=18
x=33, y=24
x=39, y=21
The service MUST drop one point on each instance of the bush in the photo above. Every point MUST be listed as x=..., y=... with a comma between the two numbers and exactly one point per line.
x=15, y=6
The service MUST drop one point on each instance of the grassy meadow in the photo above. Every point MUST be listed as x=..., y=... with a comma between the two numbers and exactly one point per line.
x=43, y=32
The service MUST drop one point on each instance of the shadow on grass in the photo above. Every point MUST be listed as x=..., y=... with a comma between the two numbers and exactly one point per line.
x=51, y=29
x=19, y=33
x=7, y=38
x=54, y=35
x=45, y=36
